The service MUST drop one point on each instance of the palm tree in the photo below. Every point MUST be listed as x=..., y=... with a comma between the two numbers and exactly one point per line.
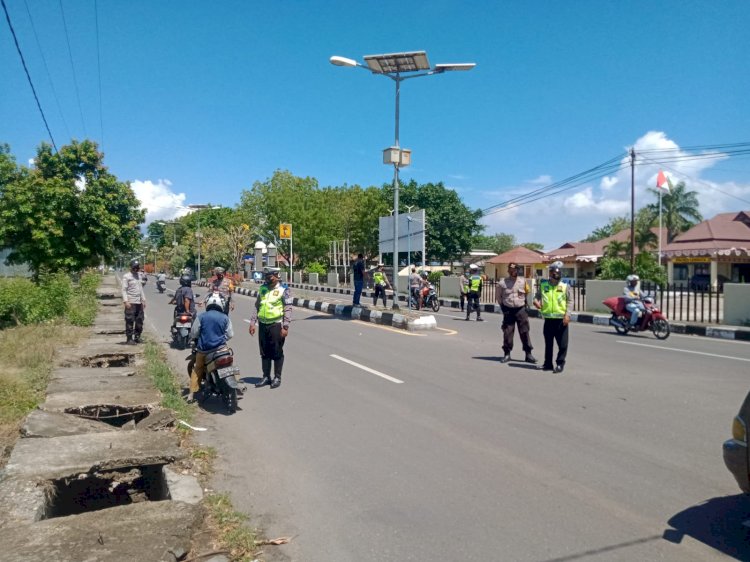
x=616, y=248
x=679, y=210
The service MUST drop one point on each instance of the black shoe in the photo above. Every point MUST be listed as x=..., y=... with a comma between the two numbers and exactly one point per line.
x=130, y=342
x=276, y=383
x=480, y=319
x=264, y=381
x=530, y=358
x=559, y=369
x=506, y=358
x=547, y=368
x=467, y=318
x=136, y=339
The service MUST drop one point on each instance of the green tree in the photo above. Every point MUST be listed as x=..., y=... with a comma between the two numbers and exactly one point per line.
x=536, y=246
x=617, y=248
x=498, y=243
x=615, y=225
x=680, y=210
x=69, y=212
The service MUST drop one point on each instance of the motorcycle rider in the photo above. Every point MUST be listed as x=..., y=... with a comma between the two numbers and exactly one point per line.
x=183, y=298
x=633, y=295
x=134, y=299
x=224, y=286
x=161, y=279
x=273, y=311
x=212, y=329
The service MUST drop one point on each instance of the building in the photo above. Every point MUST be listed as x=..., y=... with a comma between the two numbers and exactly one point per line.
x=533, y=263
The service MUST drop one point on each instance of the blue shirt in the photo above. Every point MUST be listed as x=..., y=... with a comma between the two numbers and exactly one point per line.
x=212, y=329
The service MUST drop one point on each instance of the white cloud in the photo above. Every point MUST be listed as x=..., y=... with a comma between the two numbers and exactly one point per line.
x=544, y=179
x=608, y=182
x=160, y=202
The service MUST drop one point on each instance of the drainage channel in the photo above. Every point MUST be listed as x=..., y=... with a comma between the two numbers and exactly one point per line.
x=111, y=414
x=104, y=360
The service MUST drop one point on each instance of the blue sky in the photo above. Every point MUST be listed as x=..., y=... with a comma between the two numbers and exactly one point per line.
x=201, y=99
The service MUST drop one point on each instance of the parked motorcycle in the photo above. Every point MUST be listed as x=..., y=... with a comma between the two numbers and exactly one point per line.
x=183, y=323
x=220, y=378
x=652, y=319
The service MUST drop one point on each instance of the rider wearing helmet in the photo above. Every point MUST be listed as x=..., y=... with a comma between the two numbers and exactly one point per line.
x=224, y=286
x=273, y=311
x=555, y=301
x=134, y=299
x=183, y=298
x=633, y=295
x=211, y=330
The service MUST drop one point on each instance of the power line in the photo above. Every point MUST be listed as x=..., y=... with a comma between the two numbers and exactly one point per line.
x=26, y=70
x=46, y=69
x=73, y=68
x=99, y=71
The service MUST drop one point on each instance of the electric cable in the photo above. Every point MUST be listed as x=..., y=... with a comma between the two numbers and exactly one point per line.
x=73, y=68
x=28, y=76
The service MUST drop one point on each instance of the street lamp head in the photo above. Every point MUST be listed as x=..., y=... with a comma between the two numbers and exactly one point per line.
x=342, y=61
x=454, y=67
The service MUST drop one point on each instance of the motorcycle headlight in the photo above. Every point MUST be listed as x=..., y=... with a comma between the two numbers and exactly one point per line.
x=739, y=430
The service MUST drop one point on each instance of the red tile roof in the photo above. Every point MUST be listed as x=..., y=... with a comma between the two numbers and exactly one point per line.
x=724, y=234
x=520, y=255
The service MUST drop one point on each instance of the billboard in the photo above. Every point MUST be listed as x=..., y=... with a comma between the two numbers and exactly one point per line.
x=411, y=233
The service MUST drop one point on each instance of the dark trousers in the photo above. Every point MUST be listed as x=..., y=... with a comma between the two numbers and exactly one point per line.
x=271, y=348
x=380, y=291
x=134, y=321
x=358, y=283
x=554, y=331
x=462, y=299
x=472, y=303
x=511, y=317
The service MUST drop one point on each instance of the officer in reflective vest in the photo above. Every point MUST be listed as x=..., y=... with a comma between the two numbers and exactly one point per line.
x=474, y=290
x=554, y=300
x=381, y=282
x=273, y=312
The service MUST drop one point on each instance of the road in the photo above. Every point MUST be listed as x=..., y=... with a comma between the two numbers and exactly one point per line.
x=387, y=445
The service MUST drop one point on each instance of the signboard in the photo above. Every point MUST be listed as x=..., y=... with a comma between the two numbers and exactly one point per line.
x=285, y=231
x=691, y=260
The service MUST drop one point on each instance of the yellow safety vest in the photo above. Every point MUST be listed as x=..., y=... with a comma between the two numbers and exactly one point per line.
x=554, y=299
x=474, y=282
x=379, y=278
x=271, y=304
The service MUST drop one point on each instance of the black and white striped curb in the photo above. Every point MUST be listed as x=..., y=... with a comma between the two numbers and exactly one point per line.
x=351, y=312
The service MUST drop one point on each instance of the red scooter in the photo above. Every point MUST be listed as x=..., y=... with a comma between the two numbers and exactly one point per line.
x=652, y=319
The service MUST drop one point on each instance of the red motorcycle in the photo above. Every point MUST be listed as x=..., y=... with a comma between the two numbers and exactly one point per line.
x=652, y=319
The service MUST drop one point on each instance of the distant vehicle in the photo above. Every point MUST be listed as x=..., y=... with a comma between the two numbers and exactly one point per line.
x=702, y=281
x=735, y=449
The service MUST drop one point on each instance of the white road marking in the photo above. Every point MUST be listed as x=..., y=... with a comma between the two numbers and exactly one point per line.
x=373, y=371
x=685, y=351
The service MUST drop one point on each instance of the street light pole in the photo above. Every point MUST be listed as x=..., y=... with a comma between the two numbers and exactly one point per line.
x=393, y=65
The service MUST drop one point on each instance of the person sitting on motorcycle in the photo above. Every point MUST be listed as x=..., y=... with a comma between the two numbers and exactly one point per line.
x=162, y=277
x=633, y=296
x=425, y=289
x=183, y=298
x=211, y=330
x=224, y=287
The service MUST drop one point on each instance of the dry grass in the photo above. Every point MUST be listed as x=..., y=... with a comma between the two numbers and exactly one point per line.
x=28, y=356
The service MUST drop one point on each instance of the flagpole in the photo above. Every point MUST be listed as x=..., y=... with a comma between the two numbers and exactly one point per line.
x=660, y=228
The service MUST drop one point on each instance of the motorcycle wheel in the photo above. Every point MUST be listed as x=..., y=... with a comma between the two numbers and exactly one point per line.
x=622, y=330
x=661, y=329
x=435, y=305
x=229, y=395
x=183, y=342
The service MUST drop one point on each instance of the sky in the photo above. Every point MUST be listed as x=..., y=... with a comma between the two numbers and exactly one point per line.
x=193, y=101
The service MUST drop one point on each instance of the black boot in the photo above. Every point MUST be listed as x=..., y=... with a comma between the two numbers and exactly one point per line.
x=506, y=358
x=266, y=366
x=530, y=358
x=263, y=382
x=276, y=382
x=129, y=340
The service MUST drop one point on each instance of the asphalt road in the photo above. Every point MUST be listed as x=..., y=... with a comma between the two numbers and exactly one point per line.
x=386, y=445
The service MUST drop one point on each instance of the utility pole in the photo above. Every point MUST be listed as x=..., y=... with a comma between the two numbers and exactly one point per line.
x=632, y=210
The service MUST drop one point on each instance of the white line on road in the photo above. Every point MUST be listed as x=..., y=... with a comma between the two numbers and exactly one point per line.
x=685, y=351
x=373, y=371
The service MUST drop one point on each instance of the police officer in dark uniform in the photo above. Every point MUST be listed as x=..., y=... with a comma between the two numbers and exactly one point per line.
x=511, y=296
x=273, y=313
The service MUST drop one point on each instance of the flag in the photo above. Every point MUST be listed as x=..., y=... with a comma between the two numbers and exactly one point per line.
x=663, y=182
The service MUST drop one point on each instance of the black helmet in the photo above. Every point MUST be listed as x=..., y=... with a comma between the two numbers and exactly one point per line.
x=135, y=264
x=423, y=275
x=186, y=281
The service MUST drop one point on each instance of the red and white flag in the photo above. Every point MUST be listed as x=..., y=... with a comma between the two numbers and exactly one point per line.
x=663, y=182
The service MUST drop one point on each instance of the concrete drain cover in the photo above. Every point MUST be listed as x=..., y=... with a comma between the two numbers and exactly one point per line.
x=112, y=414
x=108, y=360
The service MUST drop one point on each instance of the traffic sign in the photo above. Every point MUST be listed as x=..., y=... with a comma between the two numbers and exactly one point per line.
x=285, y=231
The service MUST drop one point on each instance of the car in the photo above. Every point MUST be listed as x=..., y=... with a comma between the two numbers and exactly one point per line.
x=735, y=449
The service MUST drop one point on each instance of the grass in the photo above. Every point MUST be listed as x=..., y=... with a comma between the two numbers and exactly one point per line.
x=231, y=528
x=28, y=353
x=166, y=381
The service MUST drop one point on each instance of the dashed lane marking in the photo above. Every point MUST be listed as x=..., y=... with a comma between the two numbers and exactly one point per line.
x=662, y=348
x=367, y=369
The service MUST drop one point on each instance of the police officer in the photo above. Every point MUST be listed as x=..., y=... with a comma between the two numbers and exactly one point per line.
x=511, y=296
x=463, y=287
x=381, y=282
x=134, y=299
x=224, y=286
x=273, y=311
x=474, y=290
x=554, y=299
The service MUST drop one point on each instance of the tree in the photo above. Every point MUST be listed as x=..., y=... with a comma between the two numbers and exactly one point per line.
x=615, y=225
x=536, y=246
x=680, y=210
x=67, y=213
x=498, y=243
x=616, y=248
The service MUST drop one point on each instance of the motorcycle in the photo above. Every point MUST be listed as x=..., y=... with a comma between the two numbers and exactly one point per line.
x=220, y=378
x=183, y=323
x=430, y=298
x=161, y=286
x=652, y=319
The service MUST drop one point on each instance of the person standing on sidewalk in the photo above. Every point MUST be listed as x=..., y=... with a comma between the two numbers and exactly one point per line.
x=273, y=311
x=134, y=299
x=381, y=282
x=474, y=290
x=554, y=299
x=463, y=288
x=358, y=272
x=511, y=295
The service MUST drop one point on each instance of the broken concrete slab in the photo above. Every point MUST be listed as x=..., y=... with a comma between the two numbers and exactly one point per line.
x=59, y=457
x=54, y=424
x=183, y=487
x=96, y=381
x=72, y=373
x=99, y=355
x=148, y=531
x=157, y=420
x=147, y=398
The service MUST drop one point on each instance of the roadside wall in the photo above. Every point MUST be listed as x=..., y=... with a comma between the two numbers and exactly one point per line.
x=597, y=291
x=736, y=303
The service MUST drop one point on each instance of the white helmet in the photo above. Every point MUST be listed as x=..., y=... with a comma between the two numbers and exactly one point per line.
x=215, y=301
x=632, y=277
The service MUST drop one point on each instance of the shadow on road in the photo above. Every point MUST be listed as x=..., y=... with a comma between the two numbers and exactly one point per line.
x=717, y=523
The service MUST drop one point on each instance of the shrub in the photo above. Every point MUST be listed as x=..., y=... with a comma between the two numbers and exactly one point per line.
x=435, y=276
x=316, y=267
x=22, y=302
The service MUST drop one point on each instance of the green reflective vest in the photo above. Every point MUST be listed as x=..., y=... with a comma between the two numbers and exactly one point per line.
x=271, y=304
x=474, y=282
x=554, y=299
x=379, y=278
